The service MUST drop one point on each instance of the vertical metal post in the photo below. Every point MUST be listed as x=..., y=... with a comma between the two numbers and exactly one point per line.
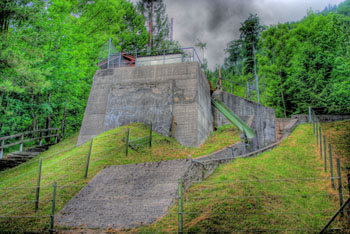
x=340, y=189
x=248, y=90
x=317, y=132
x=136, y=59
x=309, y=114
x=109, y=53
x=88, y=159
x=38, y=186
x=180, y=212
x=321, y=143
x=21, y=144
x=53, y=206
x=325, y=153
x=150, y=136
x=313, y=126
x=163, y=56
x=231, y=88
x=120, y=59
x=331, y=164
x=127, y=142
x=348, y=175
x=2, y=149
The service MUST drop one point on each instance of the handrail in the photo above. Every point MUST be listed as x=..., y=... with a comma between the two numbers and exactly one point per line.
x=22, y=140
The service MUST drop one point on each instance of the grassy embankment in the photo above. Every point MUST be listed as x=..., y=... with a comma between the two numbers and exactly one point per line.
x=66, y=164
x=281, y=191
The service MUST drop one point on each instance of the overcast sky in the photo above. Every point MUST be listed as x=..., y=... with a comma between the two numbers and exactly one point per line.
x=217, y=22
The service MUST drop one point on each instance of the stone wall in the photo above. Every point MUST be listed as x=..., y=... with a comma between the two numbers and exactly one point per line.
x=263, y=117
x=151, y=93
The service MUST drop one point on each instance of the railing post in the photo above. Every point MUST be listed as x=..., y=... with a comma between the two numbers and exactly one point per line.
x=136, y=59
x=309, y=114
x=150, y=136
x=317, y=132
x=120, y=59
x=127, y=142
x=325, y=153
x=56, y=138
x=321, y=143
x=163, y=56
x=331, y=164
x=341, y=201
x=38, y=186
x=88, y=159
x=21, y=144
x=2, y=149
x=180, y=212
x=53, y=206
x=41, y=138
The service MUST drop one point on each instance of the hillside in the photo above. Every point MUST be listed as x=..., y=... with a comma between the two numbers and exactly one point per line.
x=284, y=190
x=66, y=164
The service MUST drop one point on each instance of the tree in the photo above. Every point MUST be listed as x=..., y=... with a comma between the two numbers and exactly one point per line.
x=154, y=12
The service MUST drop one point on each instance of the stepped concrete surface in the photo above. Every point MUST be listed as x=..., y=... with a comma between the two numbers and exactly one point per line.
x=16, y=158
x=125, y=196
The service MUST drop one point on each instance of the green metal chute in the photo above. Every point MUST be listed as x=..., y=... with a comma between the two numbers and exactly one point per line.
x=240, y=124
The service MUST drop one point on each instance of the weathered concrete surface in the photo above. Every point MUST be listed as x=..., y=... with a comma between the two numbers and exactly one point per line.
x=125, y=196
x=151, y=93
x=263, y=121
x=322, y=118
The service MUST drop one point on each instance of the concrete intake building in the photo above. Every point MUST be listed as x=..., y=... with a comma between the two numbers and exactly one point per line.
x=173, y=94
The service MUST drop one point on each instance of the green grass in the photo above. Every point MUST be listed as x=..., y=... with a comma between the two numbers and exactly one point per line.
x=280, y=190
x=66, y=164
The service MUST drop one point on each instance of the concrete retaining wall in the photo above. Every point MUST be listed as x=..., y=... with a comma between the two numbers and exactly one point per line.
x=263, y=120
x=322, y=118
x=151, y=93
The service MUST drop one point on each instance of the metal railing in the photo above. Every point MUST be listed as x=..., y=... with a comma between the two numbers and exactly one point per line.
x=150, y=57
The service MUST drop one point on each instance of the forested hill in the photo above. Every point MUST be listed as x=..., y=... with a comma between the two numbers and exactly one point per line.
x=49, y=53
x=299, y=64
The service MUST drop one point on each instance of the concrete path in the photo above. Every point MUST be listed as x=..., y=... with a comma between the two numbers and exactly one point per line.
x=125, y=196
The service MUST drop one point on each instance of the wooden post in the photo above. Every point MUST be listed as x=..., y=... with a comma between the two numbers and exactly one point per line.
x=150, y=136
x=127, y=142
x=2, y=149
x=341, y=201
x=331, y=164
x=325, y=153
x=53, y=206
x=88, y=159
x=180, y=212
x=38, y=187
x=21, y=144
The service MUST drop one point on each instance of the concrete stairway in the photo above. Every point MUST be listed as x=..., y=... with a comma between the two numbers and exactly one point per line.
x=16, y=158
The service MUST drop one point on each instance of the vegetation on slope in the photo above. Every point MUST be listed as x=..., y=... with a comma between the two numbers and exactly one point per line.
x=280, y=190
x=66, y=164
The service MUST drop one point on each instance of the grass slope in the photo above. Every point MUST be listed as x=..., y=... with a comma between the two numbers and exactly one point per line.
x=281, y=191
x=66, y=164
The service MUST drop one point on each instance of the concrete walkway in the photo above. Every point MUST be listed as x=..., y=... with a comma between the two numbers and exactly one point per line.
x=125, y=196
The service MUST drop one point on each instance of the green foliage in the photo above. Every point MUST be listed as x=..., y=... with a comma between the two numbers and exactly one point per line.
x=48, y=56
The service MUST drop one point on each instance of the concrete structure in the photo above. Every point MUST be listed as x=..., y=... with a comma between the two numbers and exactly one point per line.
x=263, y=118
x=160, y=59
x=171, y=96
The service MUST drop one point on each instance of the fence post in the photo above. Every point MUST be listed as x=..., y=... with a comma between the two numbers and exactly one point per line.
x=163, y=56
x=2, y=149
x=88, y=159
x=41, y=139
x=317, y=133
x=56, y=138
x=21, y=144
x=120, y=58
x=321, y=143
x=150, y=136
x=52, y=215
x=127, y=142
x=341, y=201
x=331, y=164
x=309, y=114
x=325, y=153
x=348, y=175
x=38, y=186
x=180, y=213
x=136, y=59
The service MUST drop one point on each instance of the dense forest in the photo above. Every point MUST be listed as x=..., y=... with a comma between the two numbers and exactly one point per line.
x=49, y=50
